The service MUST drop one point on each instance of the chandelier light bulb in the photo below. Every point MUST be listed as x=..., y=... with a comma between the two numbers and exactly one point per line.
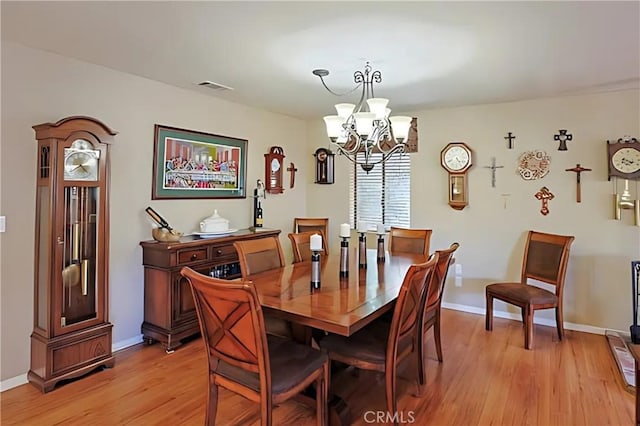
x=378, y=106
x=345, y=110
x=334, y=126
x=400, y=125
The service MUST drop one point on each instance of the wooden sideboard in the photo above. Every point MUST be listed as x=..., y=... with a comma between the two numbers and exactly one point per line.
x=169, y=312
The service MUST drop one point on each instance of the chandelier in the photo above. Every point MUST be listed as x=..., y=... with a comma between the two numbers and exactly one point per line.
x=365, y=127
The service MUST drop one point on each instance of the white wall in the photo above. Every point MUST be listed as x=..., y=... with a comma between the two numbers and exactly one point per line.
x=598, y=289
x=38, y=87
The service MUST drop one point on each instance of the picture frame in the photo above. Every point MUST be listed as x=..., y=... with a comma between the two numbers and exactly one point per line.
x=188, y=164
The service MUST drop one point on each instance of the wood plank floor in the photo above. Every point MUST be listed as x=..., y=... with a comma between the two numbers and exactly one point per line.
x=487, y=378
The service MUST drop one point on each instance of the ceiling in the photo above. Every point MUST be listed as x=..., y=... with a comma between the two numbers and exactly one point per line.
x=430, y=54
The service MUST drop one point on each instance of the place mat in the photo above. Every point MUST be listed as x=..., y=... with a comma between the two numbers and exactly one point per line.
x=624, y=359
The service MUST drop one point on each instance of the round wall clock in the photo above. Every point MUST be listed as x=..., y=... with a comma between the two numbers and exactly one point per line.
x=534, y=165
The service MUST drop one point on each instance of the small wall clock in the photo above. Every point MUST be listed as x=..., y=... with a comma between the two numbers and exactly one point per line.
x=534, y=165
x=456, y=158
x=324, y=166
x=273, y=164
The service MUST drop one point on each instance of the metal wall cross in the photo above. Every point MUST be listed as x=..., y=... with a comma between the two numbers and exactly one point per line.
x=510, y=138
x=563, y=137
x=493, y=168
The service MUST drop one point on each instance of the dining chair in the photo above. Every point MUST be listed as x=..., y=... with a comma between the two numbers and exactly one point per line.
x=259, y=255
x=545, y=260
x=405, y=240
x=302, y=224
x=433, y=304
x=301, y=244
x=243, y=358
x=380, y=346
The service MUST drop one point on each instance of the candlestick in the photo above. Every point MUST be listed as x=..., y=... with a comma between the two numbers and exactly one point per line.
x=362, y=251
x=345, y=230
x=381, y=255
x=344, y=257
x=315, y=243
x=315, y=269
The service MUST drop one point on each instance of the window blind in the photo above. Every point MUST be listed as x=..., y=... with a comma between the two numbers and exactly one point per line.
x=382, y=195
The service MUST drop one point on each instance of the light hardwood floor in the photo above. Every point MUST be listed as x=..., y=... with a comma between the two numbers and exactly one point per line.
x=487, y=378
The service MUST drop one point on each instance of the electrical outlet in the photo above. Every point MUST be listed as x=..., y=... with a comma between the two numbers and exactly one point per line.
x=458, y=275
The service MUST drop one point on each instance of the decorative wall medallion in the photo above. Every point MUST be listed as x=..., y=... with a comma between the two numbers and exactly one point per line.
x=534, y=165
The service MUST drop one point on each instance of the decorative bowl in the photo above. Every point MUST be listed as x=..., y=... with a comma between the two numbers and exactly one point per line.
x=165, y=236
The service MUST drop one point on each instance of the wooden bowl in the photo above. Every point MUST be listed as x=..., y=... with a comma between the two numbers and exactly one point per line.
x=165, y=236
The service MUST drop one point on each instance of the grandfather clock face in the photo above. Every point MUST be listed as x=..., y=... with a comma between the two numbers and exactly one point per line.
x=274, y=161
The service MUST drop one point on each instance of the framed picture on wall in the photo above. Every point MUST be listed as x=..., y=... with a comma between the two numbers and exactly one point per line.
x=191, y=164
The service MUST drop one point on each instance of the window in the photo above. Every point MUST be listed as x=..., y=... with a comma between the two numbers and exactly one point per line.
x=382, y=195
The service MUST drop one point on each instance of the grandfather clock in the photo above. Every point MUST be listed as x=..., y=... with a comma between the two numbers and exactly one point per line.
x=71, y=333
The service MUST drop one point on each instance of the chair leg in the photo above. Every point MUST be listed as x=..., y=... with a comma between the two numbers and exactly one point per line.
x=489, y=313
x=322, y=397
x=266, y=411
x=421, y=363
x=436, y=335
x=212, y=403
x=559, y=322
x=528, y=327
x=390, y=390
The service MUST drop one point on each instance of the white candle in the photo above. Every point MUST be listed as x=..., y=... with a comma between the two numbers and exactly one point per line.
x=316, y=242
x=345, y=230
x=380, y=228
x=362, y=226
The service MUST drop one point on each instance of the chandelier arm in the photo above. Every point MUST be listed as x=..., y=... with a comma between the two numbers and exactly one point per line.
x=335, y=93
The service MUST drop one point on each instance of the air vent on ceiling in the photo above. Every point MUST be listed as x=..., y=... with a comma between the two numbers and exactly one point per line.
x=214, y=86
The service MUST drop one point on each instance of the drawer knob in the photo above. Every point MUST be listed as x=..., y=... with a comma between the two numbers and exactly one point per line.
x=194, y=256
x=219, y=252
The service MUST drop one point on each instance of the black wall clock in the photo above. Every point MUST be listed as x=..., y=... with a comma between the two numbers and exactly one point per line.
x=324, y=166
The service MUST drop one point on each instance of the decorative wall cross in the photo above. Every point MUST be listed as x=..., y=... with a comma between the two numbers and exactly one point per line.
x=510, y=138
x=545, y=196
x=577, y=170
x=493, y=168
x=563, y=137
x=292, y=169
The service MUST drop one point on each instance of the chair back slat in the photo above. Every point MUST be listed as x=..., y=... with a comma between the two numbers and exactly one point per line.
x=231, y=321
x=306, y=224
x=403, y=240
x=259, y=255
x=301, y=244
x=407, y=312
x=546, y=257
x=439, y=276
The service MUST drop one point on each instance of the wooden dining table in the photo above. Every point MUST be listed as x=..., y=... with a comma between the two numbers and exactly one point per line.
x=341, y=305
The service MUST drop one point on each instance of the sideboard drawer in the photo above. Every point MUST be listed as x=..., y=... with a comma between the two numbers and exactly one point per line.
x=194, y=255
x=223, y=251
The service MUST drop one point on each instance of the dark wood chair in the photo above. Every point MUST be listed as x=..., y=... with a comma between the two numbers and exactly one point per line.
x=545, y=259
x=243, y=358
x=261, y=255
x=382, y=345
x=303, y=224
x=404, y=240
x=301, y=242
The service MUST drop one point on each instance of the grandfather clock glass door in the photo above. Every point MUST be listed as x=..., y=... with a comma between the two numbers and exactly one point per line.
x=78, y=254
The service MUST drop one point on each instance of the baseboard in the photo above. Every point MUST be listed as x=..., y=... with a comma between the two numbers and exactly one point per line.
x=22, y=379
x=536, y=320
x=13, y=382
